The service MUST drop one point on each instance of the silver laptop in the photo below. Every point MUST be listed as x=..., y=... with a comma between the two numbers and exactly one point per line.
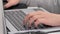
x=14, y=21
x=11, y=22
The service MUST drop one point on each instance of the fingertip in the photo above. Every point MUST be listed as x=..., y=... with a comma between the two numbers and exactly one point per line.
x=36, y=23
x=6, y=5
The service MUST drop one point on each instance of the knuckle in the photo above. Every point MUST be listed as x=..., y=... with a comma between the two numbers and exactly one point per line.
x=35, y=17
x=38, y=20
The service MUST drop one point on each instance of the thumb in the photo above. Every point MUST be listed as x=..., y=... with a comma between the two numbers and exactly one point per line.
x=7, y=5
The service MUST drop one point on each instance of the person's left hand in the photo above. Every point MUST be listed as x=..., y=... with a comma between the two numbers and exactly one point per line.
x=42, y=17
x=11, y=3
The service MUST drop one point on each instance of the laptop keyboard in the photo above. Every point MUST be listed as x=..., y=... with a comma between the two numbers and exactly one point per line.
x=15, y=17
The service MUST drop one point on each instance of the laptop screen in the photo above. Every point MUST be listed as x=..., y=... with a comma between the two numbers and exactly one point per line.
x=2, y=25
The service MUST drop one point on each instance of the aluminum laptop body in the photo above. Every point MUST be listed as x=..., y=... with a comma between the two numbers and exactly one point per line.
x=14, y=21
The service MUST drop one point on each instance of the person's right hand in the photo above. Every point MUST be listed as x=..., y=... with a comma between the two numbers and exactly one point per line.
x=11, y=3
x=39, y=17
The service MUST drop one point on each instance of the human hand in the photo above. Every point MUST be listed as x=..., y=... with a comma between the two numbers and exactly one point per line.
x=43, y=17
x=11, y=3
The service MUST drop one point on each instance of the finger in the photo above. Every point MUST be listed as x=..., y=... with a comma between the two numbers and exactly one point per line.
x=29, y=16
x=39, y=21
x=36, y=22
x=11, y=3
x=32, y=20
x=7, y=5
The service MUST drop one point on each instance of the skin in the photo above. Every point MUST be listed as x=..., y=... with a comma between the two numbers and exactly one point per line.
x=43, y=17
x=11, y=3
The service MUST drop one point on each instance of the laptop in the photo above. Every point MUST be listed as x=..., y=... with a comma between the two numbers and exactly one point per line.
x=14, y=21
x=10, y=23
x=2, y=21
